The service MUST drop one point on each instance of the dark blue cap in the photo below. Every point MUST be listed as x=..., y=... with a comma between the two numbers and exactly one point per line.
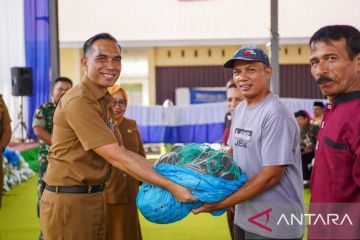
x=249, y=53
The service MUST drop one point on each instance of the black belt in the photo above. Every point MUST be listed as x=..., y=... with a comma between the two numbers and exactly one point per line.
x=76, y=189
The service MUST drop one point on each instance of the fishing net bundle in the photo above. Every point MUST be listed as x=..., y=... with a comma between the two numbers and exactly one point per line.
x=210, y=174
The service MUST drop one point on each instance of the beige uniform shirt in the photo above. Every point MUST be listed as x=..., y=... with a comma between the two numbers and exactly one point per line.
x=81, y=123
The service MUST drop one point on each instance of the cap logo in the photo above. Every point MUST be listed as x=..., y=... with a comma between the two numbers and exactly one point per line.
x=249, y=52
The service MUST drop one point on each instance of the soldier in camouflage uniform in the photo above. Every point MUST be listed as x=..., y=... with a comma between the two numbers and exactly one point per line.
x=308, y=135
x=42, y=125
x=5, y=135
x=43, y=118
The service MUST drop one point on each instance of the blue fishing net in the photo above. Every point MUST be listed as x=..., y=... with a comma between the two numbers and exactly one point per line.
x=210, y=174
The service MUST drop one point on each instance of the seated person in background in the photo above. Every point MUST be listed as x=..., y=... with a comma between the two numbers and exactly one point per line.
x=121, y=189
x=43, y=124
x=318, y=110
x=233, y=98
x=308, y=134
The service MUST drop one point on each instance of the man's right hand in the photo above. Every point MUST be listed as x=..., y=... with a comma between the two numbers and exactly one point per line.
x=137, y=167
x=183, y=194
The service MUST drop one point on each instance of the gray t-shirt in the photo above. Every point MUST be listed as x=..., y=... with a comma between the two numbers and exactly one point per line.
x=267, y=134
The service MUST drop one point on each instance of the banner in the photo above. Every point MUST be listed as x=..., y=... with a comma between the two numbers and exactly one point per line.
x=207, y=96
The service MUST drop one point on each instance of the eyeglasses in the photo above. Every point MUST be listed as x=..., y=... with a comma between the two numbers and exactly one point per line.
x=120, y=103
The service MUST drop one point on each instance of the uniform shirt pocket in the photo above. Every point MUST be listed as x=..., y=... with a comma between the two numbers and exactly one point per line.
x=339, y=161
x=55, y=212
x=333, y=144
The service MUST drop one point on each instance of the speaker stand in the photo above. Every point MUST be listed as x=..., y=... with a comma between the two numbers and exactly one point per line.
x=22, y=124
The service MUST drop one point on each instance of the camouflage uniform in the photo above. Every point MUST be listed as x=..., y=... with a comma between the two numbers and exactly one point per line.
x=308, y=140
x=308, y=136
x=43, y=117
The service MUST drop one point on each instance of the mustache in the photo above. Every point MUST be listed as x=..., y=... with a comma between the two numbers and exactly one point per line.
x=323, y=79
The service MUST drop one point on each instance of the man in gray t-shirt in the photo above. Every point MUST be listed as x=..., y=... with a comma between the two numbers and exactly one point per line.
x=265, y=142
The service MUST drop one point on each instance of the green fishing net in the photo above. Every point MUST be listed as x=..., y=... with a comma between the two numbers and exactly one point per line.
x=203, y=159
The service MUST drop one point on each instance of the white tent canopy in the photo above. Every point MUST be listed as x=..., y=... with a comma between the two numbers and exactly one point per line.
x=199, y=22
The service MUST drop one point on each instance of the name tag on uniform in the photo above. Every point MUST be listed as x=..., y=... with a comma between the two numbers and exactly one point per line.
x=129, y=130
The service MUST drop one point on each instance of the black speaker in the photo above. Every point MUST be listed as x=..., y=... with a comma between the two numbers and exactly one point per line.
x=21, y=81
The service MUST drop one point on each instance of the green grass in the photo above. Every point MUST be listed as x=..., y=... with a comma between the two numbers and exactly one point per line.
x=18, y=220
x=306, y=203
x=199, y=227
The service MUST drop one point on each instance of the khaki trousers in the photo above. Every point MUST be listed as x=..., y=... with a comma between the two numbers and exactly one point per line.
x=122, y=222
x=69, y=216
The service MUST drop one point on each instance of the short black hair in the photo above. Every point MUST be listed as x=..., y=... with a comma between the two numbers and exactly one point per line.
x=319, y=104
x=301, y=113
x=63, y=79
x=335, y=33
x=88, y=43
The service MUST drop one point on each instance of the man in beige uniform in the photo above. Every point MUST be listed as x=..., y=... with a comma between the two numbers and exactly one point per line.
x=5, y=135
x=84, y=146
